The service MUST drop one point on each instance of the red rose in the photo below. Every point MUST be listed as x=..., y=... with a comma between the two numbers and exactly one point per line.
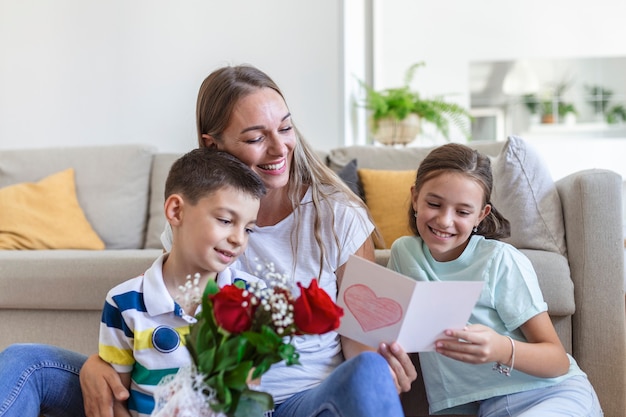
x=232, y=309
x=314, y=311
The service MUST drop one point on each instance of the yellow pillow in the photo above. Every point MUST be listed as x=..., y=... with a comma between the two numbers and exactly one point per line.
x=388, y=195
x=45, y=215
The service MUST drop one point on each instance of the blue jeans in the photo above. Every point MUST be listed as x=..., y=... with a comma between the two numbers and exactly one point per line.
x=361, y=386
x=40, y=379
x=573, y=397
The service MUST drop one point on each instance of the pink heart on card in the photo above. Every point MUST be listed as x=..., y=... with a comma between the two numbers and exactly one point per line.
x=370, y=311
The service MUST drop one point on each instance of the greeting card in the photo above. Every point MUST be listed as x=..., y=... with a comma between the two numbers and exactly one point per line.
x=381, y=305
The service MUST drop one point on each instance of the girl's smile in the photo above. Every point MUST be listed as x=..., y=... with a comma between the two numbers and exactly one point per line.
x=448, y=207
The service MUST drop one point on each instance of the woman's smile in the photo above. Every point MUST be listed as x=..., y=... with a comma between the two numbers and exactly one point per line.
x=278, y=167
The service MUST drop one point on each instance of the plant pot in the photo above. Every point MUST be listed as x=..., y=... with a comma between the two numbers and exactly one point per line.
x=535, y=119
x=569, y=119
x=392, y=131
x=547, y=118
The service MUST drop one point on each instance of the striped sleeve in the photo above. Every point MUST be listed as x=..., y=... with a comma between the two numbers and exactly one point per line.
x=116, y=336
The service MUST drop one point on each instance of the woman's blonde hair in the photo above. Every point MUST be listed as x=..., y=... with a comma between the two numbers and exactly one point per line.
x=219, y=94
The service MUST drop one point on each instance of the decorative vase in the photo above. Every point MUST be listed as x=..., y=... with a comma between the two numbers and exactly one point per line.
x=569, y=119
x=535, y=119
x=391, y=131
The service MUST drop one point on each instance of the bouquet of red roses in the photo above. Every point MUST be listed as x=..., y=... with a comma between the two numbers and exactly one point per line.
x=241, y=331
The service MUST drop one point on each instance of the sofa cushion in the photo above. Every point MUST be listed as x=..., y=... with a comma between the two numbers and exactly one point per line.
x=526, y=195
x=555, y=280
x=67, y=279
x=112, y=184
x=45, y=215
x=161, y=165
x=388, y=195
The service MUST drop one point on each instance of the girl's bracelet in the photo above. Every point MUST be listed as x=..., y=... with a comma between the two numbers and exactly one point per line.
x=506, y=370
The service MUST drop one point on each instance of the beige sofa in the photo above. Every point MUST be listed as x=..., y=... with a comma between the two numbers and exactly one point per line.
x=571, y=231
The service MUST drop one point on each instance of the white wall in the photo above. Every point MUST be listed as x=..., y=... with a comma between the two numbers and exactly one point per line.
x=80, y=72
x=83, y=72
x=449, y=34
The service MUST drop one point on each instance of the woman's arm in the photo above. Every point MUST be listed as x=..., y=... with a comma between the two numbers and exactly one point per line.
x=402, y=368
x=101, y=387
x=542, y=356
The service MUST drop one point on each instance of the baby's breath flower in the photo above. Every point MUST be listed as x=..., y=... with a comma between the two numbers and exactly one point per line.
x=190, y=292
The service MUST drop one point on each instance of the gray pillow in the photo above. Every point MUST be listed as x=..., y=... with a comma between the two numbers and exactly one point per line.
x=526, y=195
x=349, y=174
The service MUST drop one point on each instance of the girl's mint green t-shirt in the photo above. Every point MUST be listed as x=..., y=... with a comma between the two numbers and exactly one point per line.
x=511, y=296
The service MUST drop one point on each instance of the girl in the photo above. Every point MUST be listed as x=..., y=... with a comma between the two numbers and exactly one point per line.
x=508, y=361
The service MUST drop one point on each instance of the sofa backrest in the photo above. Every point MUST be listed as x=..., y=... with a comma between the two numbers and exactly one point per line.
x=161, y=165
x=112, y=184
x=523, y=187
x=387, y=157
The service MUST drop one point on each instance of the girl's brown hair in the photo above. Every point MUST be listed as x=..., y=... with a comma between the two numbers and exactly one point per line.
x=454, y=157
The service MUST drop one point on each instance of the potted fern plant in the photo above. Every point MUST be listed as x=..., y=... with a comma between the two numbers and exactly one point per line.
x=396, y=113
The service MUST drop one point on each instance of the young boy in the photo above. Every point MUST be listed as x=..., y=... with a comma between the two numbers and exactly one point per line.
x=211, y=203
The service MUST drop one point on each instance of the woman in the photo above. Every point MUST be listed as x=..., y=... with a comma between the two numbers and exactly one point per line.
x=241, y=111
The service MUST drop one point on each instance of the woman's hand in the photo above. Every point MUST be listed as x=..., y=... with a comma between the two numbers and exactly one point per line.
x=102, y=389
x=402, y=368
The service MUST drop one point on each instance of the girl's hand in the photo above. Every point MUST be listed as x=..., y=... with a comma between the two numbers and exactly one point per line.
x=541, y=355
x=475, y=344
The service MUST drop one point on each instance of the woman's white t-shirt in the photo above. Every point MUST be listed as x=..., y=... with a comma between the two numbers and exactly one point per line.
x=344, y=228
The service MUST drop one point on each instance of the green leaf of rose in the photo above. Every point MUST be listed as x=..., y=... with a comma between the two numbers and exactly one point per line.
x=206, y=361
x=236, y=378
x=211, y=288
x=288, y=352
x=224, y=357
x=265, y=342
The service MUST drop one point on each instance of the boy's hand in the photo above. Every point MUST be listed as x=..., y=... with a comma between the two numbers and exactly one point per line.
x=102, y=389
